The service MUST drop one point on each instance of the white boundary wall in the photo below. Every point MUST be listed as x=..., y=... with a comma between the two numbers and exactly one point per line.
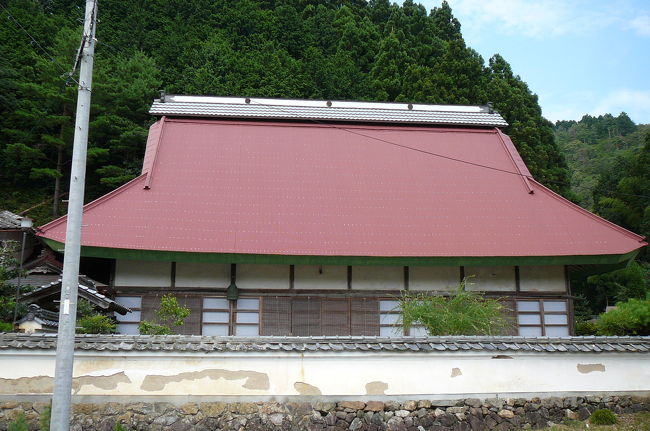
x=364, y=375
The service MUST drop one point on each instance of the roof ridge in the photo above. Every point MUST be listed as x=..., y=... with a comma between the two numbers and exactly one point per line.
x=56, y=222
x=517, y=161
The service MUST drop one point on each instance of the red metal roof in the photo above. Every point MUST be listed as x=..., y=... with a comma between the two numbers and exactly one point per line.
x=310, y=189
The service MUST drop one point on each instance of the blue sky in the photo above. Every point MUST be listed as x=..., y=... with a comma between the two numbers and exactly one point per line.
x=579, y=56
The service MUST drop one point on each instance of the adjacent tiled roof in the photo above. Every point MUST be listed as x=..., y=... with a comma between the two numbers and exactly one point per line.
x=183, y=343
x=48, y=319
x=284, y=109
x=303, y=189
x=86, y=292
x=9, y=220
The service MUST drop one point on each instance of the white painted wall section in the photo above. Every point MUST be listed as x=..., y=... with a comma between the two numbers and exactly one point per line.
x=250, y=276
x=542, y=279
x=491, y=278
x=377, y=277
x=196, y=274
x=434, y=278
x=320, y=277
x=368, y=375
x=143, y=273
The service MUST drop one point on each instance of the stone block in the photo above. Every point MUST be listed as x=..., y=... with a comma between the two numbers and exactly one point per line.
x=352, y=405
x=189, y=408
x=374, y=406
x=506, y=414
x=213, y=409
x=321, y=406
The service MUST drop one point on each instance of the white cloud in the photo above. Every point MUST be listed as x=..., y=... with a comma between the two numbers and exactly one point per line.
x=635, y=103
x=641, y=24
x=533, y=18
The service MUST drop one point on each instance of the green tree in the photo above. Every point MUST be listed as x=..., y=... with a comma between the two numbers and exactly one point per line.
x=463, y=312
x=169, y=314
x=9, y=269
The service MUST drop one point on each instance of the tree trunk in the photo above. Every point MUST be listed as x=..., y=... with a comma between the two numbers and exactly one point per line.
x=57, y=181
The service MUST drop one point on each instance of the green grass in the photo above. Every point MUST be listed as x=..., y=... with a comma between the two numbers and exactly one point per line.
x=626, y=422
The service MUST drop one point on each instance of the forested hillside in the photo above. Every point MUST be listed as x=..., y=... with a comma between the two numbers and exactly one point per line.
x=345, y=49
x=609, y=160
x=594, y=146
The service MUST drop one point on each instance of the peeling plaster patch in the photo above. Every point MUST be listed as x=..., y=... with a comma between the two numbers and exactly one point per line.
x=27, y=385
x=101, y=382
x=590, y=368
x=501, y=357
x=254, y=379
x=306, y=389
x=455, y=372
x=376, y=388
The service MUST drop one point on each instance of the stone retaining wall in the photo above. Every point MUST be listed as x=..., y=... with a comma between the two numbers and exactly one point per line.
x=458, y=415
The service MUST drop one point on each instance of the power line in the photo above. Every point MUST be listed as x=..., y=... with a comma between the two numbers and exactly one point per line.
x=20, y=26
x=419, y=150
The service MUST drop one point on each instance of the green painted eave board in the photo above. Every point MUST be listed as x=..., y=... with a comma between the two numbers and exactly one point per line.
x=178, y=256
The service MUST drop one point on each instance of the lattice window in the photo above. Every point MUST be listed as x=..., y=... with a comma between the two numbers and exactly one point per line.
x=543, y=317
x=128, y=323
x=389, y=321
x=223, y=317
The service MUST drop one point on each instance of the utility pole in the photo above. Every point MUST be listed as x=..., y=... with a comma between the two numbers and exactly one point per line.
x=61, y=399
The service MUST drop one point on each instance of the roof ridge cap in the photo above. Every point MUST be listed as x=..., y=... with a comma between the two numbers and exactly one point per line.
x=42, y=230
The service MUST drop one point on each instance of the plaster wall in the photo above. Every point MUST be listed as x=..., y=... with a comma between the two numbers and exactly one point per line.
x=320, y=277
x=542, y=279
x=198, y=274
x=377, y=277
x=491, y=278
x=365, y=375
x=143, y=273
x=314, y=277
x=251, y=276
x=434, y=278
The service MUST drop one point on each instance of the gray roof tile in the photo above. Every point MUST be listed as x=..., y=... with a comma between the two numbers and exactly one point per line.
x=431, y=345
x=318, y=110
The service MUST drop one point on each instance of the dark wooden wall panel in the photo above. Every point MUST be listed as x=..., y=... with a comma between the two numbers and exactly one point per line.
x=276, y=315
x=364, y=316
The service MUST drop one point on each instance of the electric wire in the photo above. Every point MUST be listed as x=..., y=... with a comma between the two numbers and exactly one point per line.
x=67, y=74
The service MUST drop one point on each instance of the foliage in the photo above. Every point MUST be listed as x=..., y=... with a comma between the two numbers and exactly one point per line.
x=45, y=418
x=462, y=313
x=630, y=282
x=628, y=318
x=586, y=328
x=9, y=269
x=170, y=313
x=603, y=417
x=95, y=324
x=119, y=427
x=592, y=147
x=19, y=424
x=299, y=49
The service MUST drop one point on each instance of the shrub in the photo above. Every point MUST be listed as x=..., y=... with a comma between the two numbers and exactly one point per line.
x=20, y=424
x=628, y=318
x=45, y=418
x=119, y=427
x=462, y=313
x=586, y=328
x=95, y=324
x=170, y=313
x=603, y=417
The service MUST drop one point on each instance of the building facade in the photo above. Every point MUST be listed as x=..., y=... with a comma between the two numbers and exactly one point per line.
x=308, y=218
